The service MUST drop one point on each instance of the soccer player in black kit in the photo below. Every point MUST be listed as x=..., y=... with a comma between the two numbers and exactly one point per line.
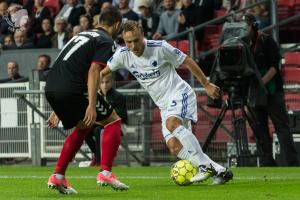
x=76, y=71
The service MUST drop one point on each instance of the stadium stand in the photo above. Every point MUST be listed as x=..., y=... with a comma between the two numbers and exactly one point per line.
x=292, y=59
x=53, y=5
x=291, y=75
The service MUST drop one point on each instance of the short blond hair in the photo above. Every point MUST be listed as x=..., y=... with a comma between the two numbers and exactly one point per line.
x=131, y=25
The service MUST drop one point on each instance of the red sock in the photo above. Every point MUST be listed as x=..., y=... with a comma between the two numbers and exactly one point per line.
x=110, y=143
x=71, y=145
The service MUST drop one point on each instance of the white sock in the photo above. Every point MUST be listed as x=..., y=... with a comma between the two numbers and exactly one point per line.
x=192, y=150
x=183, y=154
x=106, y=173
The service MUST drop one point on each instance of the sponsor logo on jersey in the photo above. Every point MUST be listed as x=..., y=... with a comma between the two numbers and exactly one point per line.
x=176, y=51
x=146, y=75
x=153, y=63
x=132, y=66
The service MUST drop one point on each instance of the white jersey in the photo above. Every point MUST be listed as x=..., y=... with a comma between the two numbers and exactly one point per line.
x=155, y=69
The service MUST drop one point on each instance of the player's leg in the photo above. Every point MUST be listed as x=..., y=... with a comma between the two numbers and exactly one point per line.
x=70, y=109
x=110, y=142
x=92, y=143
x=178, y=118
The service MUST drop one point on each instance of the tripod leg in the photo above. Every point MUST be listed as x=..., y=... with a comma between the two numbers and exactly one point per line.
x=215, y=126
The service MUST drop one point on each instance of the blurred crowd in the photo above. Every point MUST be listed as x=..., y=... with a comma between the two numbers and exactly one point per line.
x=26, y=24
x=51, y=23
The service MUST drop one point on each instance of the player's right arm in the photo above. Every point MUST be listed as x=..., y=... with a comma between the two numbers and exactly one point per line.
x=105, y=72
x=53, y=120
x=93, y=82
x=212, y=90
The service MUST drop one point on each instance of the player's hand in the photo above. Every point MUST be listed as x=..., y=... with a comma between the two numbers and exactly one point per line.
x=53, y=120
x=156, y=36
x=212, y=90
x=90, y=116
x=181, y=19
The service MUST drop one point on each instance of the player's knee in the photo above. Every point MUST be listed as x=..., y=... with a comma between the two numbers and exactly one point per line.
x=172, y=123
x=174, y=146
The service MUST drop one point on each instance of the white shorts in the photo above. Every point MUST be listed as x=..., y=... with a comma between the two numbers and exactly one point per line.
x=182, y=105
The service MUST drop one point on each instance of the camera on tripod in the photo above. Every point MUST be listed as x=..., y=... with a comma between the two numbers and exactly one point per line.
x=234, y=68
x=235, y=72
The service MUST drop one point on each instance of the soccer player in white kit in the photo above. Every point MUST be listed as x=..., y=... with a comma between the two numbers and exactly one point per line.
x=153, y=64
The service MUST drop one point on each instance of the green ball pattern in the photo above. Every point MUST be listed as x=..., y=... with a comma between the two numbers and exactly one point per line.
x=182, y=171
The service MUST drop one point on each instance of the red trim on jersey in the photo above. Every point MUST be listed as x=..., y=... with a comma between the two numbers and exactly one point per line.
x=99, y=62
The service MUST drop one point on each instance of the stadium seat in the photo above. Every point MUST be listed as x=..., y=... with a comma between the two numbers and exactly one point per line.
x=220, y=13
x=183, y=72
x=211, y=36
x=183, y=45
x=292, y=101
x=285, y=8
x=174, y=43
x=156, y=115
x=291, y=75
x=297, y=7
x=53, y=5
x=292, y=59
x=157, y=142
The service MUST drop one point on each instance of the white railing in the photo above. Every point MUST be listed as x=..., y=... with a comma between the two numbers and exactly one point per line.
x=14, y=124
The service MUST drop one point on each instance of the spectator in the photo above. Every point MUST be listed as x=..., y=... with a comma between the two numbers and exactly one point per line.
x=76, y=30
x=38, y=15
x=158, y=6
x=71, y=12
x=261, y=14
x=207, y=9
x=236, y=5
x=91, y=8
x=26, y=27
x=20, y=41
x=267, y=56
x=105, y=5
x=149, y=19
x=3, y=23
x=85, y=22
x=191, y=15
x=168, y=22
x=62, y=35
x=43, y=66
x=3, y=8
x=13, y=73
x=44, y=40
x=126, y=12
x=8, y=41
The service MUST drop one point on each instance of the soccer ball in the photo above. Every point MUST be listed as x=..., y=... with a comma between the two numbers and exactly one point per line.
x=182, y=171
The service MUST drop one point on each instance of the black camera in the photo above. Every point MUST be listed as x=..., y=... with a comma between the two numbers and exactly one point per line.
x=234, y=69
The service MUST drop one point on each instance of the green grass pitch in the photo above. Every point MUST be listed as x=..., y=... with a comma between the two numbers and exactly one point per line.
x=19, y=182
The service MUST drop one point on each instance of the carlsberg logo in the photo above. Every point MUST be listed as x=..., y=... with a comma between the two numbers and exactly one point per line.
x=144, y=76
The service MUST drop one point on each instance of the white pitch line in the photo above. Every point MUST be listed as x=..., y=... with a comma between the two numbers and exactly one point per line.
x=147, y=177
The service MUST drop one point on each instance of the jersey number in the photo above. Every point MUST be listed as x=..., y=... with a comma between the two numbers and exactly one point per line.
x=79, y=40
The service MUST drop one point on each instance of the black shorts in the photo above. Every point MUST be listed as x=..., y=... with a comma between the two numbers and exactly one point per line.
x=71, y=108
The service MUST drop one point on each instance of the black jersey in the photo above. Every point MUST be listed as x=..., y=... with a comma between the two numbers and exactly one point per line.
x=70, y=69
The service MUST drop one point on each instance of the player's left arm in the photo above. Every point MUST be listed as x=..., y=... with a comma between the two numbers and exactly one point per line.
x=212, y=90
